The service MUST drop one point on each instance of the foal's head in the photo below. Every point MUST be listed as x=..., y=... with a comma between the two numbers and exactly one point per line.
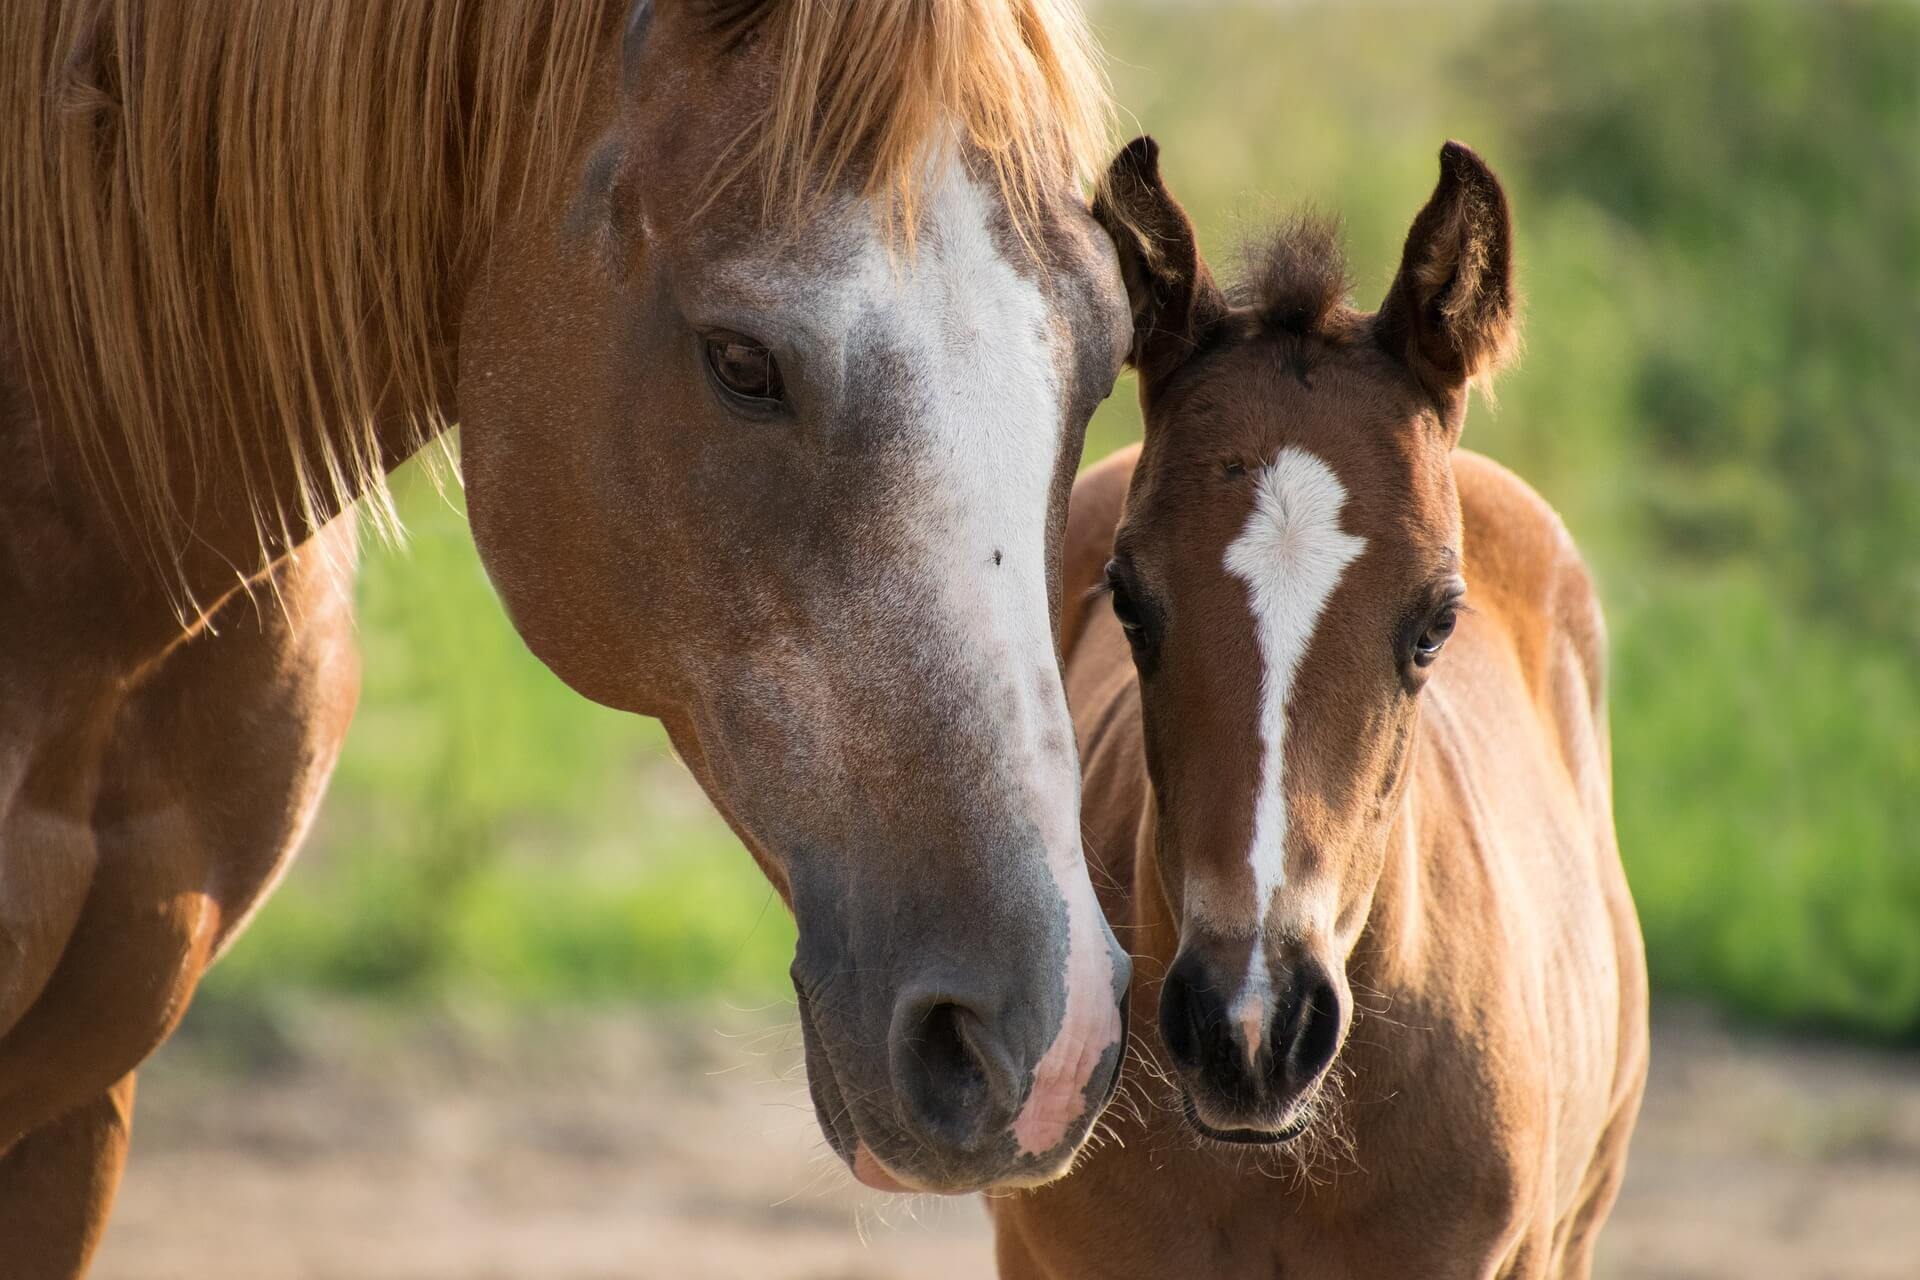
x=1288, y=572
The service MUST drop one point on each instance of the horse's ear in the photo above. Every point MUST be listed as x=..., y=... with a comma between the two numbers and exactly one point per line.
x=1174, y=299
x=1450, y=312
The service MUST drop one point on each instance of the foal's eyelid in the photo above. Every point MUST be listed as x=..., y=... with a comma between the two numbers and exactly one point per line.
x=1450, y=591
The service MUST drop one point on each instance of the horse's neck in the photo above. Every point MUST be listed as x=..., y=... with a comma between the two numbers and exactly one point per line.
x=78, y=566
x=255, y=374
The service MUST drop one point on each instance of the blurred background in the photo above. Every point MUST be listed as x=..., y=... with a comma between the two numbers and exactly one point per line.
x=477, y=1030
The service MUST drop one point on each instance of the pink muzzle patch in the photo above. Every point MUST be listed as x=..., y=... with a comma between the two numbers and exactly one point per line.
x=1251, y=1014
x=868, y=1169
x=1088, y=1032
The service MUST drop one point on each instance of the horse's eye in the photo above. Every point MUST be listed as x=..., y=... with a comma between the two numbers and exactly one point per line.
x=1438, y=628
x=745, y=369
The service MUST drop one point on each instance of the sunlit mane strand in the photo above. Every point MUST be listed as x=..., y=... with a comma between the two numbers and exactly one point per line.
x=880, y=83
x=227, y=229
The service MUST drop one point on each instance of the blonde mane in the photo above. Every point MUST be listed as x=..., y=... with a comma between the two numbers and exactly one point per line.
x=227, y=230
x=228, y=226
x=1018, y=80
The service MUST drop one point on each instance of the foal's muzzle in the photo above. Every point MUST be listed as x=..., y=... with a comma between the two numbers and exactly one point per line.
x=1250, y=1055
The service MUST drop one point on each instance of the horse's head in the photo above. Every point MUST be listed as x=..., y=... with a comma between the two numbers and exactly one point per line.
x=1288, y=570
x=795, y=484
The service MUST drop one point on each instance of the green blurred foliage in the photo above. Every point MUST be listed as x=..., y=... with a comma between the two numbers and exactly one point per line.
x=1718, y=207
x=489, y=832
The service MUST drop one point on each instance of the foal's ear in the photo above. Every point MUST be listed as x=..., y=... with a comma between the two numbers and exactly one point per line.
x=1450, y=312
x=1174, y=299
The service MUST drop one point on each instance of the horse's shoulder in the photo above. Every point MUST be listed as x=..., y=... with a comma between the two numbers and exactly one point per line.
x=1093, y=514
x=124, y=873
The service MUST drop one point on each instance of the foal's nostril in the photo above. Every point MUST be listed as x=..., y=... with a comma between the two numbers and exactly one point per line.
x=1184, y=1018
x=948, y=1073
x=1314, y=1034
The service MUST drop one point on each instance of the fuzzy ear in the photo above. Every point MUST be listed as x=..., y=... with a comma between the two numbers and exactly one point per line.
x=1175, y=301
x=1450, y=312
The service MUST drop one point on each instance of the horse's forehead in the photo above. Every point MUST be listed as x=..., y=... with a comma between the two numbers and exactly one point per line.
x=956, y=336
x=961, y=280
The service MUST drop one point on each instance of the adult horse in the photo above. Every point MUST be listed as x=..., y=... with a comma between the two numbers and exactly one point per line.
x=1344, y=733
x=773, y=329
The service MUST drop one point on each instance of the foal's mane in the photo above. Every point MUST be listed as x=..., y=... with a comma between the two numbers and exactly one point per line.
x=227, y=228
x=1295, y=276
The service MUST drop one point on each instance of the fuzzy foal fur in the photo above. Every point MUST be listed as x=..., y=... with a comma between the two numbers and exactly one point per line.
x=1476, y=1119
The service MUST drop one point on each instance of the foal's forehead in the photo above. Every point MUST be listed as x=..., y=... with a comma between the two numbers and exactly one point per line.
x=1241, y=407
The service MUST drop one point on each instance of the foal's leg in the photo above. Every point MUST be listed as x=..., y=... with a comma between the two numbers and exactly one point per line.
x=57, y=1185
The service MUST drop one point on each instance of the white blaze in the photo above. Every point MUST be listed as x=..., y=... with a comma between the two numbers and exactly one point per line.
x=978, y=336
x=1291, y=555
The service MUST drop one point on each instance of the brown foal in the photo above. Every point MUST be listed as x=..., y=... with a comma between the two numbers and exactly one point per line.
x=1346, y=786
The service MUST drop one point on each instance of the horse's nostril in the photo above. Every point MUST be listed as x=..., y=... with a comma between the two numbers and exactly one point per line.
x=948, y=1050
x=945, y=1072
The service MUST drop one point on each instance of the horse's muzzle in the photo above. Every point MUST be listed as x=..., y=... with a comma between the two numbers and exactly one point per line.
x=963, y=1082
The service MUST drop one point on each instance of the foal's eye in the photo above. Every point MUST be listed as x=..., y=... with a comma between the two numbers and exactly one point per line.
x=1125, y=611
x=1438, y=628
x=745, y=370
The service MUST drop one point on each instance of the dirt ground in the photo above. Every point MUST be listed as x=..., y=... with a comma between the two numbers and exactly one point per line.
x=346, y=1144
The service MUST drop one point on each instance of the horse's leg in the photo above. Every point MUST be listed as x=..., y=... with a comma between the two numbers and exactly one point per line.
x=212, y=769
x=57, y=1185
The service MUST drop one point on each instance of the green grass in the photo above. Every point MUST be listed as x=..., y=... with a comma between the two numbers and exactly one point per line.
x=1720, y=246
